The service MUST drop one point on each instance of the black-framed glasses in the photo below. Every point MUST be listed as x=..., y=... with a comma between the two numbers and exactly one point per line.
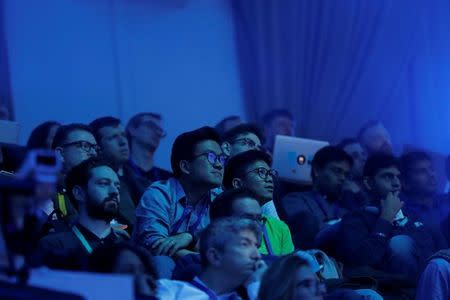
x=84, y=145
x=264, y=173
x=257, y=218
x=154, y=127
x=213, y=158
x=248, y=142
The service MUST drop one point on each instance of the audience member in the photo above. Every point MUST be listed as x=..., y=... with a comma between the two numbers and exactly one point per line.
x=73, y=143
x=113, y=143
x=242, y=138
x=230, y=263
x=227, y=123
x=277, y=122
x=434, y=282
x=126, y=258
x=241, y=203
x=380, y=236
x=42, y=135
x=375, y=138
x=94, y=187
x=172, y=212
x=307, y=213
x=419, y=184
x=251, y=169
x=144, y=133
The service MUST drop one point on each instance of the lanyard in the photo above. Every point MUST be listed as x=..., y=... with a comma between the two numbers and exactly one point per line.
x=82, y=239
x=203, y=288
x=267, y=240
x=187, y=212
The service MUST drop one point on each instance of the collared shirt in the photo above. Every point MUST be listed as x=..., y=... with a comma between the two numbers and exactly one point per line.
x=279, y=237
x=162, y=207
x=175, y=290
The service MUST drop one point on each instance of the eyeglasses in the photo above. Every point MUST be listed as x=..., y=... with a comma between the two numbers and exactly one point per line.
x=257, y=218
x=264, y=173
x=154, y=127
x=213, y=158
x=83, y=145
x=248, y=142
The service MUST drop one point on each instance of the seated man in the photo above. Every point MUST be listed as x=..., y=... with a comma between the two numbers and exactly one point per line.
x=227, y=123
x=241, y=203
x=113, y=143
x=307, y=213
x=230, y=260
x=420, y=186
x=73, y=143
x=251, y=169
x=380, y=236
x=277, y=122
x=144, y=133
x=375, y=138
x=242, y=138
x=94, y=187
x=434, y=282
x=172, y=212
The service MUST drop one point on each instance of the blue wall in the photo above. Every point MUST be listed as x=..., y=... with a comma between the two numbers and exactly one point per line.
x=77, y=60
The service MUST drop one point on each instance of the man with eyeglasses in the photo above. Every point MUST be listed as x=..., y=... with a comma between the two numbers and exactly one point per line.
x=243, y=137
x=172, y=212
x=73, y=143
x=144, y=132
x=242, y=203
x=308, y=213
x=251, y=169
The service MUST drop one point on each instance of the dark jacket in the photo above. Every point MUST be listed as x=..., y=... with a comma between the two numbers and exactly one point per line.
x=363, y=238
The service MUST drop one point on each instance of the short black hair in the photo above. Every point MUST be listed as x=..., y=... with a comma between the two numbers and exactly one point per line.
x=184, y=146
x=220, y=127
x=231, y=134
x=63, y=132
x=407, y=160
x=271, y=115
x=103, y=258
x=347, y=141
x=222, y=206
x=80, y=175
x=327, y=155
x=379, y=161
x=99, y=123
x=39, y=135
x=237, y=165
x=366, y=126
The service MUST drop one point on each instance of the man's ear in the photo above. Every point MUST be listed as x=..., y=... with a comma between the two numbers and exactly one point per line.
x=79, y=194
x=58, y=151
x=226, y=148
x=214, y=257
x=185, y=167
x=368, y=183
x=237, y=183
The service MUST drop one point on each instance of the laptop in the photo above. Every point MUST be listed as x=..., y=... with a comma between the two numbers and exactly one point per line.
x=292, y=158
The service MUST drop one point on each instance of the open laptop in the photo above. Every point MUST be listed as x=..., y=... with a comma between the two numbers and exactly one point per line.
x=292, y=158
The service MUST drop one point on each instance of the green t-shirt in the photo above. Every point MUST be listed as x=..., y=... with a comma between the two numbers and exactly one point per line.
x=279, y=236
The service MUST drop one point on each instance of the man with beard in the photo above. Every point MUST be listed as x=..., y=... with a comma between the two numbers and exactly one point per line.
x=308, y=213
x=94, y=187
x=375, y=138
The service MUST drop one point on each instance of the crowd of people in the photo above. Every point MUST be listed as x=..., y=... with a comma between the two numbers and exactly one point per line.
x=221, y=225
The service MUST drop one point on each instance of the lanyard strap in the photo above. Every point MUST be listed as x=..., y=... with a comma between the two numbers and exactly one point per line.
x=267, y=240
x=82, y=239
x=62, y=204
x=211, y=294
x=187, y=212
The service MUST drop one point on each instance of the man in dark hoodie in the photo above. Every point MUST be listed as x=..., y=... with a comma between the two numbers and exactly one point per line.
x=379, y=235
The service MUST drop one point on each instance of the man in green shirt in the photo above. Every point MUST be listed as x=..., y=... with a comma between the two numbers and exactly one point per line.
x=242, y=203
